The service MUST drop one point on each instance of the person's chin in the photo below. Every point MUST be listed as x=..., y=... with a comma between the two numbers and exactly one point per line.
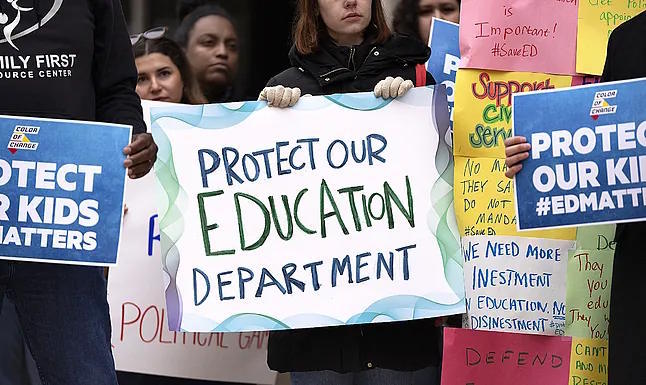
x=218, y=79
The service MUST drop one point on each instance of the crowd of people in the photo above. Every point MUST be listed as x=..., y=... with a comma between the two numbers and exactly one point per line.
x=338, y=46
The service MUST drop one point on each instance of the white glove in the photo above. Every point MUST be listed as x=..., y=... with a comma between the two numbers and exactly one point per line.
x=392, y=88
x=280, y=96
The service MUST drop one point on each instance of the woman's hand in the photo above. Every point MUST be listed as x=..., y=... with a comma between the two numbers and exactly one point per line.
x=516, y=151
x=280, y=96
x=392, y=87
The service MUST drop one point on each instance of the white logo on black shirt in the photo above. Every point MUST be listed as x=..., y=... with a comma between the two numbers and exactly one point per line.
x=10, y=24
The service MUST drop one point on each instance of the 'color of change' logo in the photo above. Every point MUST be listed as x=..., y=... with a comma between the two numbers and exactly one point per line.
x=20, y=141
x=600, y=105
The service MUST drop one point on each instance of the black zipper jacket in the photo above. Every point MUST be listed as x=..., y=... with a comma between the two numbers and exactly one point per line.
x=626, y=59
x=68, y=59
x=405, y=346
x=334, y=69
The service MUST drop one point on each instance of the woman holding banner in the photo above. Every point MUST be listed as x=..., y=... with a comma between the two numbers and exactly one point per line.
x=345, y=46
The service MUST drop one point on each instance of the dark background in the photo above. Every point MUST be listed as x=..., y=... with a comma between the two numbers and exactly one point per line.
x=264, y=29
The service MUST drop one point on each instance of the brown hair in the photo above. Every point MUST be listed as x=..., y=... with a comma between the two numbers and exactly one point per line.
x=309, y=27
x=191, y=94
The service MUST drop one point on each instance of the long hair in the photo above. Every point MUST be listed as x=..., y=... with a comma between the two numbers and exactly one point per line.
x=191, y=93
x=309, y=27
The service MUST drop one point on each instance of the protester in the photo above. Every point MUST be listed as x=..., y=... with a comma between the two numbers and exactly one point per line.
x=346, y=46
x=164, y=73
x=63, y=309
x=209, y=38
x=626, y=59
x=413, y=17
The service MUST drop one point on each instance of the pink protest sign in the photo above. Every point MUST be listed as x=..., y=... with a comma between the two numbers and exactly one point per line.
x=473, y=357
x=519, y=35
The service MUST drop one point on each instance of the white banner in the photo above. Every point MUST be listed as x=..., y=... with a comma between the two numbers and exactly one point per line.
x=336, y=211
x=141, y=340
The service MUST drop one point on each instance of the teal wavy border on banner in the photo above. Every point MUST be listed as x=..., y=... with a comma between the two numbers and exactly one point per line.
x=441, y=221
x=171, y=221
x=391, y=309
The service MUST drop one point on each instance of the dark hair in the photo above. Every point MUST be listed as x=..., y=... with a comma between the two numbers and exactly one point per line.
x=191, y=93
x=309, y=26
x=405, y=19
x=188, y=22
x=184, y=7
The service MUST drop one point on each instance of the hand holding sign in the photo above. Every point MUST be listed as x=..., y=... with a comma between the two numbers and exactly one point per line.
x=142, y=153
x=516, y=151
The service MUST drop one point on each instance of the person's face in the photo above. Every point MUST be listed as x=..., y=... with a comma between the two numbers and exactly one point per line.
x=441, y=9
x=346, y=19
x=212, y=51
x=159, y=78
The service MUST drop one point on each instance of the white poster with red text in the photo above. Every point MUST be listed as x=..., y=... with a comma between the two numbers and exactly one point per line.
x=141, y=340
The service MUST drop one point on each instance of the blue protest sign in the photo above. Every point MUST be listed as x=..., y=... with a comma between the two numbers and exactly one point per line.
x=588, y=159
x=61, y=190
x=445, y=57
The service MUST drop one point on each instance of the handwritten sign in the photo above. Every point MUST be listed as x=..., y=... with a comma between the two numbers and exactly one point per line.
x=484, y=200
x=489, y=358
x=587, y=160
x=588, y=362
x=61, y=190
x=515, y=284
x=519, y=35
x=597, y=19
x=445, y=59
x=141, y=340
x=596, y=238
x=316, y=215
x=483, y=108
x=588, y=293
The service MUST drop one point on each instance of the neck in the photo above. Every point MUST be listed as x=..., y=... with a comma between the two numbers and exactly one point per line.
x=346, y=40
x=214, y=94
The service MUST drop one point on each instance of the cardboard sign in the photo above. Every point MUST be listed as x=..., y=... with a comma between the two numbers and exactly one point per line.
x=516, y=284
x=483, y=107
x=519, y=35
x=588, y=362
x=474, y=357
x=61, y=190
x=589, y=280
x=484, y=201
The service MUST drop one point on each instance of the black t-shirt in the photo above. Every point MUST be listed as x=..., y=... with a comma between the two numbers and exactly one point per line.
x=67, y=59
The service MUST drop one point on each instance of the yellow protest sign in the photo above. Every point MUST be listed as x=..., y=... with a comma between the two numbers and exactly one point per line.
x=588, y=361
x=597, y=19
x=484, y=201
x=482, y=114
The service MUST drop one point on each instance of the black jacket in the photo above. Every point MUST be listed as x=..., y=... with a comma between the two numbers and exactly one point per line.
x=627, y=60
x=68, y=59
x=333, y=69
x=405, y=346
